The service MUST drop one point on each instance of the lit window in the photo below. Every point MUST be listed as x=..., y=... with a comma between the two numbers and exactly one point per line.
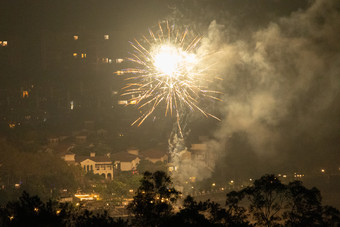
x=75, y=55
x=106, y=37
x=75, y=37
x=0, y=43
x=119, y=72
x=119, y=60
x=122, y=102
x=25, y=94
x=4, y=43
x=83, y=55
x=110, y=61
x=11, y=125
x=105, y=60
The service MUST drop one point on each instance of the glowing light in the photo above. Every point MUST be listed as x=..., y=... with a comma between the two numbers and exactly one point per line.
x=169, y=71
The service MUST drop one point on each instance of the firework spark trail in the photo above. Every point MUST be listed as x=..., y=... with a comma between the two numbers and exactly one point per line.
x=168, y=71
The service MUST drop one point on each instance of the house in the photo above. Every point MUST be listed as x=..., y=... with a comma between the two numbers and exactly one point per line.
x=201, y=152
x=101, y=165
x=53, y=140
x=125, y=161
x=155, y=155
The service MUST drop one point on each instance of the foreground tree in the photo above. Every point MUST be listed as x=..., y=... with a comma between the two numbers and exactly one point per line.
x=267, y=199
x=153, y=203
x=272, y=203
x=30, y=211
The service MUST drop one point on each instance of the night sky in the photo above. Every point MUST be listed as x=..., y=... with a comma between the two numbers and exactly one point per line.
x=279, y=61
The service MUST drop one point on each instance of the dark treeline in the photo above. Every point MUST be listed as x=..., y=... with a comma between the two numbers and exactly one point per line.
x=267, y=202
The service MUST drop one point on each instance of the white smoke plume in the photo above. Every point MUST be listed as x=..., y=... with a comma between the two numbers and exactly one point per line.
x=281, y=86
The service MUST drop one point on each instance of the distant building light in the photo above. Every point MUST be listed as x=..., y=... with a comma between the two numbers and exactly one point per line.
x=110, y=61
x=105, y=60
x=119, y=60
x=25, y=94
x=71, y=105
x=17, y=185
x=75, y=55
x=323, y=171
x=83, y=55
x=11, y=125
x=133, y=102
x=0, y=43
x=3, y=43
x=75, y=37
x=119, y=72
x=122, y=102
x=106, y=37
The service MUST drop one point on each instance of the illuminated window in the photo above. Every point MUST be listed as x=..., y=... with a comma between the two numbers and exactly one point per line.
x=119, y=72
x=110, y=61
x=25, y=94
x=119, y=60
x=75, y=55
x=105, y=60
x=0, y=43
x=3, y=43
x=122, y=102
x=106, y=37
x=75, y=37
x=11, y=125
x=83, y=55
x=133, y=102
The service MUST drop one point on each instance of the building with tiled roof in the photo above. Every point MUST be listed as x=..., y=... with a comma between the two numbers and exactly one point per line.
x=101, y=165
x=155, y=155
x=125, y=161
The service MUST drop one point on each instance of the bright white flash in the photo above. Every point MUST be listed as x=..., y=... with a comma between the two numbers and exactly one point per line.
x=167, y=59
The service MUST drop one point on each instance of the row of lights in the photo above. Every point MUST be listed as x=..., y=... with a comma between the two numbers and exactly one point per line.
x=3, y=43
x=76, y=37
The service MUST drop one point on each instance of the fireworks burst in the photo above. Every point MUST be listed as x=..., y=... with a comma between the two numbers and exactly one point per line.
x=168, y=71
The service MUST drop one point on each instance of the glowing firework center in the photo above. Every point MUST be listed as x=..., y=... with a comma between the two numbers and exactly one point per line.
x=173, y=62
x=167, y=71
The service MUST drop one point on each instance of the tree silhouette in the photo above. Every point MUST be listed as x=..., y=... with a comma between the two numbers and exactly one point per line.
x=271, y=203
x=153, y=202
x=267, y=197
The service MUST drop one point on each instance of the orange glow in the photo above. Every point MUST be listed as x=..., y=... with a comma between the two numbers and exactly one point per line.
x=25, y=94
x=75, y=37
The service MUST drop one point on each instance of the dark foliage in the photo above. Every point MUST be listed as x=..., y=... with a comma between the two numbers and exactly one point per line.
x=30, y=211
x=153, y=202
x=267, y=202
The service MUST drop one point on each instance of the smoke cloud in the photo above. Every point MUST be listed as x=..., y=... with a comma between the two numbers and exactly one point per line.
x=281, y=83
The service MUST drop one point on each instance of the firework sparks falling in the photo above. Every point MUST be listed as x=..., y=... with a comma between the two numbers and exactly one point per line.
x=168, y=72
